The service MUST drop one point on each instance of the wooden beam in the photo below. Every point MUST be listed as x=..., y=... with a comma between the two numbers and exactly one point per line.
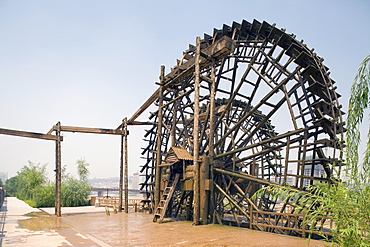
x=92, y=130
x=29, y=134
x=158, y=158
x=256, y=179
x=140, y=123
x=146, y=104
x=221, y=48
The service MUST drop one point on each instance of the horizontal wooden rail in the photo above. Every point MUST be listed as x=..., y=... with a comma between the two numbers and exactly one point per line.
x=92, y=130
x=254, y=215
x=29, y=134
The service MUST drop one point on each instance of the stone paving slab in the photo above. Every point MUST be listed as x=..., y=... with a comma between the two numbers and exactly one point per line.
x=91, y=226
x=40, y=231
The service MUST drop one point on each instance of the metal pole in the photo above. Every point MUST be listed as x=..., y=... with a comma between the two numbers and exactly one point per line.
x=58, y=172
x=121, y=171
x=126, y=164
x=159, y=142
x=196, y=217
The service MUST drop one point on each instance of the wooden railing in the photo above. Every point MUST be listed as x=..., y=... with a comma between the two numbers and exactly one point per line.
x=114, y=201
x=281, y=222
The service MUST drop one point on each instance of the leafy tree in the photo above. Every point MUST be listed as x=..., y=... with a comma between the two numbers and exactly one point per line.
x=359, y=102
x=75, y=193
x=82, y=169
x=29, y=179
x=30, y=185
x=45, y=196
x=11, y=186
x=1, y=183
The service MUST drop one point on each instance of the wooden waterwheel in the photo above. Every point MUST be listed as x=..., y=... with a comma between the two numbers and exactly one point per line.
x=247, y=107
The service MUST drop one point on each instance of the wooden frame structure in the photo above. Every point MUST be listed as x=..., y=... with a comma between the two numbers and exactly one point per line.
x=254, y=107
x=58, y=129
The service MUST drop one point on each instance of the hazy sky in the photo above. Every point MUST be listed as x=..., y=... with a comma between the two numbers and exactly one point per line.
x=92, y=63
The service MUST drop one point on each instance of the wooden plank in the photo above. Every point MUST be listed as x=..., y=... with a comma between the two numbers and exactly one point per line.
x=92, y=130
x=29, y=134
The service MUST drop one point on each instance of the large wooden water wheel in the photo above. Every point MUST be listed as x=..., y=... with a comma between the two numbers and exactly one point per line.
x=260, y=109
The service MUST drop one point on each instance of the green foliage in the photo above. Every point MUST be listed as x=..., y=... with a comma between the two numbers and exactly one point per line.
x=358, y=103
x=11, y=186
x=82, y=169
x=1, y=183
x=30, y=185
x=45, y=196
x=28, y=179
x=75, y=193
x=347, y=202
x=350, y=210
x=31, y=203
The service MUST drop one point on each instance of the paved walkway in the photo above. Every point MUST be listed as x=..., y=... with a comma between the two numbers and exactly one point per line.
x=90, y=226
x=22, y=225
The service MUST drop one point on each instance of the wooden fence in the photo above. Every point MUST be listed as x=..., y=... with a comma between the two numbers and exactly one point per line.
x=283, y=222
x=114, y=201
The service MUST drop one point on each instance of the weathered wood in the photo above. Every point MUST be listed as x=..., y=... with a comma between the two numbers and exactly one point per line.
x=58, y=172
x=272, y=139
x=224, y=108
x=126, y=162
x=91, y=130
x=30, y=134
x=253, y=178
x=121, y=171
x=145, y=106
x=204, y=188
x=212, y=111
x=221, y=48
x=159, y=142
x=196, y=216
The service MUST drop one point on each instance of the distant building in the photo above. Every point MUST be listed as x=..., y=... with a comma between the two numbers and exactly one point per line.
x=289, y=179
x=317, y=173
x=135, y=181
x=3, y=177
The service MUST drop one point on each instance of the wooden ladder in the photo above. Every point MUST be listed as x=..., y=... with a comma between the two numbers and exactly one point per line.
x=161, y=209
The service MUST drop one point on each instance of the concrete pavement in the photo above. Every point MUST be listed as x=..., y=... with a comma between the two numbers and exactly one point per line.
x=23, y=225
x=91, y=226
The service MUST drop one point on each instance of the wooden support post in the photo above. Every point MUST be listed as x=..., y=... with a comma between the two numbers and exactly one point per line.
x=204, y=190
x=126, y=164
x=211, y=139
x=286, y=168
x=250, y=216
x=58, y=172
x=196, y=216
x=159, y=142
x=121, y=172
x=173, y=130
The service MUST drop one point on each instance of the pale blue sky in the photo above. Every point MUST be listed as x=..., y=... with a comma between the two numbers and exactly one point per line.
x=92, y=63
